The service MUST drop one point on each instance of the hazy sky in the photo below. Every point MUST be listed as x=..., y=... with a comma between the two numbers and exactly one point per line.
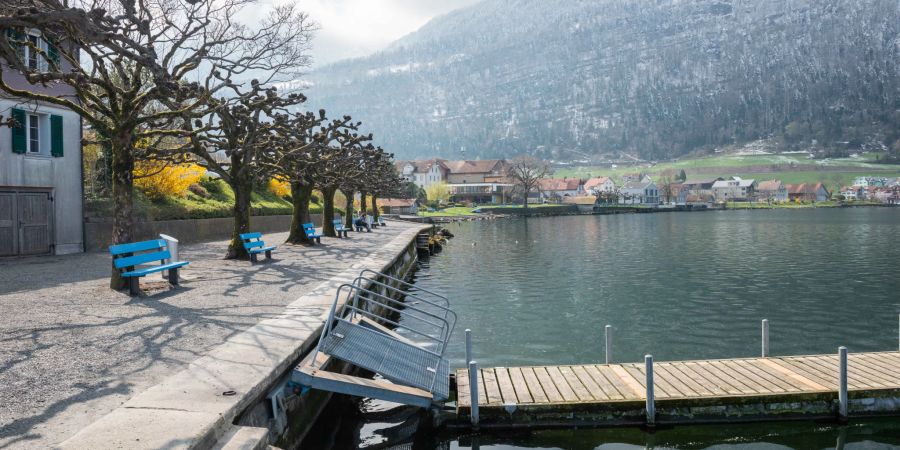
x=351, y=28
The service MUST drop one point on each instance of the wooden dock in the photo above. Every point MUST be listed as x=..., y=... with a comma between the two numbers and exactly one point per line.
x=743, y=389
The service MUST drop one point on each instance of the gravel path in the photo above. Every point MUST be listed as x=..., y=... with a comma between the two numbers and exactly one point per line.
x=71, y=349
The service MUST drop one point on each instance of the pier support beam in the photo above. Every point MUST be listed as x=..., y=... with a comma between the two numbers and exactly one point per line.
x=765, y=338
x=842, y=385
x=651, y=402
x=608, y=340
x=473, y=389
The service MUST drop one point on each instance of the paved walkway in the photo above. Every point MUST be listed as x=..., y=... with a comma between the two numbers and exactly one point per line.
x=72, y=350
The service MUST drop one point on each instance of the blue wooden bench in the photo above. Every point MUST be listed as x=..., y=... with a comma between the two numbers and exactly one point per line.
x=254, y=245
x=128, y=257
x=339, y=228
x=310, y=230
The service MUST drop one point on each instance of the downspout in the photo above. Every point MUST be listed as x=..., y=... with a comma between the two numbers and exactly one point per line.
x=81, y=168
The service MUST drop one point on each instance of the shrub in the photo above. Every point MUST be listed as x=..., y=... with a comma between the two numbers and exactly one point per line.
x=198, y=190
x=279, y=187
x=158, y=180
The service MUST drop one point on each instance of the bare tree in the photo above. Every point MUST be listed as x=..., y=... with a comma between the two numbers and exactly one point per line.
x=526, y=172
x=133, y=67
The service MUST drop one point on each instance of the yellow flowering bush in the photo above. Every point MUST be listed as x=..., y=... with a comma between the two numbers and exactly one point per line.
x=279, y=187
x=158, y=179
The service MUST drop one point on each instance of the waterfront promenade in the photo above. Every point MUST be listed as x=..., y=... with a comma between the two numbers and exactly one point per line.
x=72, y=350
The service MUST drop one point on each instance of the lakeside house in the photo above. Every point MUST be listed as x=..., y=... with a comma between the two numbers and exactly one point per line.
x=399, y=206
x=596, y=185
x=584, y=203
x=870, y=182
x=480, y=171
x=699, y=187
x=808, y=192
x=772, y=190
x=555, y=189
x=41, y=204
x=423, y=173
x=735, y=189
x=639, y=192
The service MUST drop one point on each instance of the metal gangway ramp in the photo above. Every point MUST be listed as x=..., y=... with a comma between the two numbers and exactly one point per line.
x=410, y=356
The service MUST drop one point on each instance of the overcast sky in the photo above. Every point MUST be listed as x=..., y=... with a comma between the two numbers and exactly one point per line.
x=351, y=28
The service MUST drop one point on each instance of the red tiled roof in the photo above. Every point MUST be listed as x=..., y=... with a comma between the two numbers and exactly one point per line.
x=770, y=185
x=805, y=188
x=595, y=181
x=560, y=184
x=420, y=166
x=480, y=166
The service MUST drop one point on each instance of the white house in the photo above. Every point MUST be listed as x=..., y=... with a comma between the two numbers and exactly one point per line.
x=41, y=206
x=772, y=190
x=734, y=189
x=597, y=185
x=423, y=173
x=639, y=192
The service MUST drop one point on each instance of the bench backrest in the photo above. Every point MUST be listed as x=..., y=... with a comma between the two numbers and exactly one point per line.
x=338, y=223
x=137, y=253
x=252, y=240
x=309, y=228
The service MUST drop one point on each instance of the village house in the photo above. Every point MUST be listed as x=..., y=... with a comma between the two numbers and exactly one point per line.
x=41, y=205
x=632, y=177
x=735, y=189
x=423, y=173
x=772, y=190
x=639, y=192
x=398, y=206
x=699, y=187
x=596, y=185
x=853, y=193
x=482, y=181
x=808, y=192
x=555, y=189
x=870, y=182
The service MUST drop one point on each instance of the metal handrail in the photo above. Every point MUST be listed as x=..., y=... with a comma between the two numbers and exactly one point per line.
x=445, y=309
x=405, y=283
x=446, y=322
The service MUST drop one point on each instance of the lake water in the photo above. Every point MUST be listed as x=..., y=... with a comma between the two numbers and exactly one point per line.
x=678, y=286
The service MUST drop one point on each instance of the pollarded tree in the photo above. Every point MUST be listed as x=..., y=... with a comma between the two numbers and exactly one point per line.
x=526, y=172
x=385, y=182
x=349, y=158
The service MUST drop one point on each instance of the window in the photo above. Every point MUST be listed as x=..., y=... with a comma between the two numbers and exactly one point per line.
x=34, y=59
x=34, y=133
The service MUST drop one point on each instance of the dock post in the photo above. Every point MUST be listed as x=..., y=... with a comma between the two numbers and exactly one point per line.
x=473, y=389
x=651, y=404
x=608, y=331
x=468, y=345
x=842, y=392
x=765, y=338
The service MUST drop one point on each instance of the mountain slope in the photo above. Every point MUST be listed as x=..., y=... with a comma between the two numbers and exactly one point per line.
x=659, y=78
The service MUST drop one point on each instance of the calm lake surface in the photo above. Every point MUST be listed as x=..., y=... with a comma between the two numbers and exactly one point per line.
x=678, y=286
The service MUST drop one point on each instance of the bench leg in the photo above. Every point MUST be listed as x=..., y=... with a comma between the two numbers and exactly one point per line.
x=268, y=254
x=253, y=257
x=134, y=287
x=173, y=277
x=318, y=240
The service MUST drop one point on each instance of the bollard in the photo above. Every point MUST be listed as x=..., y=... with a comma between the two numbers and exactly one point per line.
x=842, y=377
x=172, y=247
x=473, y=390
x=468, y=345
x=651, y=405
x=608, y=330
x=765, y=338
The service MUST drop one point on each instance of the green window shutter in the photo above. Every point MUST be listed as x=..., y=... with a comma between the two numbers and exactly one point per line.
x=56, y=136
x=15, y=39
x=53, y=53
x=18, y=131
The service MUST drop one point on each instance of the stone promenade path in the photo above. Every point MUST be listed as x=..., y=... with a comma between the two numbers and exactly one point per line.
x=72, y=350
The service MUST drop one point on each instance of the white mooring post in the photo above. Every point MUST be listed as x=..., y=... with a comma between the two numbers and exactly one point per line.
x=468, y=345
x=765, y=338
x=473, y=390
x=842, y=392
x=608, y=333
x=651, y=404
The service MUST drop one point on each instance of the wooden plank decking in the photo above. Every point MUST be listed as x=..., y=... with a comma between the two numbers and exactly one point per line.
x=708, y=382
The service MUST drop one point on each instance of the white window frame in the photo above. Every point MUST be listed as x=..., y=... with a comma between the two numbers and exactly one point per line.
x=42, y=63
x=43, y=136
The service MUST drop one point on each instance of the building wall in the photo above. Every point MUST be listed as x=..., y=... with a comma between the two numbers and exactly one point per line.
x=460, y=178
x=60, y=175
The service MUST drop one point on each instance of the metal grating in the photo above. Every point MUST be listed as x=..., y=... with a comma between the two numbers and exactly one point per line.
x=395, y=360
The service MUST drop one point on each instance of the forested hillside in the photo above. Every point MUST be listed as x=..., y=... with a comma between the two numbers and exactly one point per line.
x=656, y=78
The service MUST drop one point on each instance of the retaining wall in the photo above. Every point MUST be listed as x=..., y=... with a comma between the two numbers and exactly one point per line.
x=97, y=234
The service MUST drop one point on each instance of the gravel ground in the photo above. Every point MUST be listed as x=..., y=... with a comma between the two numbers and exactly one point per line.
x=71, y=349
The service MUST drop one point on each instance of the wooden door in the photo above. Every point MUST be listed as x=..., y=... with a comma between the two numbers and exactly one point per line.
x=34, y=223
x=8, y=224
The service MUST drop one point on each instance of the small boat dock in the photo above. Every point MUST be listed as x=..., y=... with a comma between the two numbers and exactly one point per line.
x=704, y=391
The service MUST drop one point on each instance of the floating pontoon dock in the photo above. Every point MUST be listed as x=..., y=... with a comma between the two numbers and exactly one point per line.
x=745, y=389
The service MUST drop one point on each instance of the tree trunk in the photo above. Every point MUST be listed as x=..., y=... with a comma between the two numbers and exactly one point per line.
x=328, y=211
x=242, y=187
x=525, y=200
x=123, y=198
x=375, y=213
x=363, y=207
x=300, y=195
x=348, y=213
